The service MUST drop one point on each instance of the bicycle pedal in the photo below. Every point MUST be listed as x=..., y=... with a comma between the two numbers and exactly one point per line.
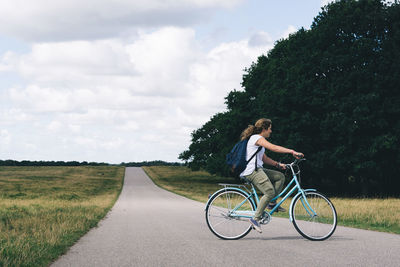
x=265, y=219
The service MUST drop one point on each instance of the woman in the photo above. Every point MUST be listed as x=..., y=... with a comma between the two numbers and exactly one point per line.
x=269, y=182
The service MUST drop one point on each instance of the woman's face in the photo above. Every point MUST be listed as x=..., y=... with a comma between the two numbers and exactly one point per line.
x=267, y=133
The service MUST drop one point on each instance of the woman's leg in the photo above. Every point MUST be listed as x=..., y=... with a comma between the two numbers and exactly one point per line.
x=261, y=181
x=277, y=178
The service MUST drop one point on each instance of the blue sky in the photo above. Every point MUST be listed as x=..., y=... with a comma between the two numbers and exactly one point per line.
x=125, y=81
x=273, y=17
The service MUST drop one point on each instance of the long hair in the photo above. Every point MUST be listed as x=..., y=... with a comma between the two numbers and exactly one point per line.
x=256, y=128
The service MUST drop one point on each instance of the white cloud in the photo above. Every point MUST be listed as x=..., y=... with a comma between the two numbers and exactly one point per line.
x=5, y=137
x=98, y=19
x=260, y=39
x=55, y=126
x=75, y=61
x=36, y=99
x=291, y=29
x=13, y=114
x=325, y=2
x=7, y=61
x=221, y=71
x=162, y=58
x=116, y=100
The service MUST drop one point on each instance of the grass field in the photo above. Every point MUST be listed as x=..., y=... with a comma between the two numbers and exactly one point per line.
x=372, y=214
x=44, y=210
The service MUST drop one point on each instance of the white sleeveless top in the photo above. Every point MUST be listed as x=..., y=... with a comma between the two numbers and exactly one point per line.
x=251, y=149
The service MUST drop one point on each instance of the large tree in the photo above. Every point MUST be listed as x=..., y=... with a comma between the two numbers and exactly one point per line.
x=332, y=92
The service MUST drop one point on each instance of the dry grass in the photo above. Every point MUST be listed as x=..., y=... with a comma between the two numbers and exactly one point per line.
x=44, y=210
x=196, y=185
x=373, y=214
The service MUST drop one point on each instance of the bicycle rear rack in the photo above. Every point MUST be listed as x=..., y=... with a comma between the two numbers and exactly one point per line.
x=237, y=185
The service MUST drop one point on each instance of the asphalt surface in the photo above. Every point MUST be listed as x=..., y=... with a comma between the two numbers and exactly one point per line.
x=149, y=226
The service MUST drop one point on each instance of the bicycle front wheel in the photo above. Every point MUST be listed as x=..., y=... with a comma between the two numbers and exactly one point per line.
x=228, y=213
x=314, y=216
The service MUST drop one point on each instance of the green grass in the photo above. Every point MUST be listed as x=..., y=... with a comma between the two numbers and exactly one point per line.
x=371, y=214
x=44, y=210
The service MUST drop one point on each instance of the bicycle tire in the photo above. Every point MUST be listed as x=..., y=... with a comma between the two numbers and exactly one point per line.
x=221, y=221
x=314, y=227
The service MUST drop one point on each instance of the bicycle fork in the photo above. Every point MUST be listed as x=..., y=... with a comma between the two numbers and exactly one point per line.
x=305, y=203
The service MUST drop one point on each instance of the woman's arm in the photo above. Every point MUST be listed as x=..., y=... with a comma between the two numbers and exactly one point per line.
x=279, y=149
x=269, y=161
x=272, y=162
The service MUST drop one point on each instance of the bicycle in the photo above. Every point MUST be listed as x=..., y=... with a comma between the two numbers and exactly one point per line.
x=229, y=209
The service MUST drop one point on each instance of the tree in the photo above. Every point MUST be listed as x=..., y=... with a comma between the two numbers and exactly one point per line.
x=332, y=92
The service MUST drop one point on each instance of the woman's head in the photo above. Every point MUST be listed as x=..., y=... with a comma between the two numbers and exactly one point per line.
x=257, y=128
x=262, y=124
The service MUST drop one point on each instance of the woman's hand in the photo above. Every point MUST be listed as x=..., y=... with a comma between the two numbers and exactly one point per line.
x=281, y=166
x=297, y=155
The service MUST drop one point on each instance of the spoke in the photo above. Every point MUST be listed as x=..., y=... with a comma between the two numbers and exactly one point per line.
x=217, y=216
x=316, y=226
x=219, y=209
x=223, y=221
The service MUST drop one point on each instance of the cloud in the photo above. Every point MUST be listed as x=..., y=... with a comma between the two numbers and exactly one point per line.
x=5, y=137
x=326, y=2
x=7, y=61
x=162, y=58
x=44, y=20
x=260, y=39
x=120, y=100
x=291, y=29
x=73, y=61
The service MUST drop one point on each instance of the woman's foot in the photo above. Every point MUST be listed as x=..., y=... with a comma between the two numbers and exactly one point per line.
x=272, y=205
x=255, y=225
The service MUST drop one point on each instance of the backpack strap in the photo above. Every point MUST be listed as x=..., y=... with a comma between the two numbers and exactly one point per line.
x=258, y=150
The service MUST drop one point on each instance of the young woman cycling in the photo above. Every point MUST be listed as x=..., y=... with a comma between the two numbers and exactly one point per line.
x=269, y=182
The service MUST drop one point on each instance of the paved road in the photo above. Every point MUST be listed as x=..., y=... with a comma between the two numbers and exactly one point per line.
x=149, y=226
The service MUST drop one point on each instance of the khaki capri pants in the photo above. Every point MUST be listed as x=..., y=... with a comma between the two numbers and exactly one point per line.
x=270, y=183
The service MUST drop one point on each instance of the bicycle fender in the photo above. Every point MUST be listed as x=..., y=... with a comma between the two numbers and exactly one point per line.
x=227, y=189
x=292, y=202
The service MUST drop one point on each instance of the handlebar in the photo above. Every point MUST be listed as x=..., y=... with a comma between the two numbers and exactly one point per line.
x=294, y=166
x=295, y=162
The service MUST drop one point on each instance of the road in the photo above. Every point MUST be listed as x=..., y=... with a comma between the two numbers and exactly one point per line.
x=149, y=226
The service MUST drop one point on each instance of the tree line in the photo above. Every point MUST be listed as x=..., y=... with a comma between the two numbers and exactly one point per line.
x=332, y=92
x=151, y=163
x=85, y=163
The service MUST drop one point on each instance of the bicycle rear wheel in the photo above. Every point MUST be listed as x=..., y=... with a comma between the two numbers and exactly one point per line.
x=227, y=214
x=316, y=220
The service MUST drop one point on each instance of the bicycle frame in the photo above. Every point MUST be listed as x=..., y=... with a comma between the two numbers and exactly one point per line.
x=252, y=195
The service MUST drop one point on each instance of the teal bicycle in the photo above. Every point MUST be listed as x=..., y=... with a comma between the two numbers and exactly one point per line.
x=229, y=209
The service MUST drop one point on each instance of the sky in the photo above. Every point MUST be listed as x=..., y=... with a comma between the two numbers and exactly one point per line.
x=127, y=80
